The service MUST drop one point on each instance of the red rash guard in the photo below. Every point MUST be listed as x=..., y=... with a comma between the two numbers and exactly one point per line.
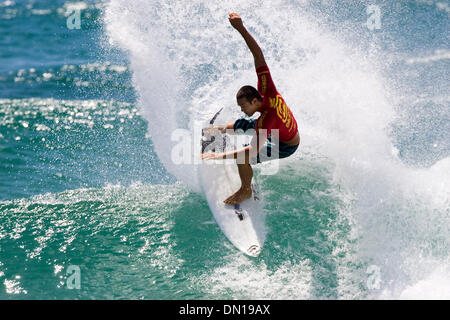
x=275, y=114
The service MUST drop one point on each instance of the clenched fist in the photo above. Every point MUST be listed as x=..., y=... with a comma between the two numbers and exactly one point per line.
x=235, y=21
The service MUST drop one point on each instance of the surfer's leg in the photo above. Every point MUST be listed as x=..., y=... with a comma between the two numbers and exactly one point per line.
x=245, y=192
x=245, y=169
x=246, y=174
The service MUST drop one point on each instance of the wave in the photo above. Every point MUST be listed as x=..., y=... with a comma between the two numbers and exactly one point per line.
x=12, y=10
x=437, y=56
x=51, y=145
x=68, y=74
x=343, y=107
x=348, y=216
x=131, y=228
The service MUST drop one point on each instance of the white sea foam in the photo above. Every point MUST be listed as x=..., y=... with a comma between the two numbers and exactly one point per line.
x=247, y=280
x=437, y=56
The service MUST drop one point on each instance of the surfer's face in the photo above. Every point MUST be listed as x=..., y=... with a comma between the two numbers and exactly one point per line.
x=249, y=108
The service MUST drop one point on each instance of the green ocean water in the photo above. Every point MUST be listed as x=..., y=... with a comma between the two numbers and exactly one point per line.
x=134, y=240
x=160, y=241
x=361, y=211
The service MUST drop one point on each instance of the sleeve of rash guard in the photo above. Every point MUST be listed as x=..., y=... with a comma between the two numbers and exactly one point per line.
x=266, y=87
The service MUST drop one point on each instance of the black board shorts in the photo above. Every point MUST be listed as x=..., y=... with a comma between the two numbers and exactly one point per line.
x=265, y=154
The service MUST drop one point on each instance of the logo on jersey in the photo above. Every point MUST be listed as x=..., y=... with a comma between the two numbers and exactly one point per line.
x=282, y=111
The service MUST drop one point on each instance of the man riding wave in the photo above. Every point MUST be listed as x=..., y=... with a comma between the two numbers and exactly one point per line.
x=275, y=115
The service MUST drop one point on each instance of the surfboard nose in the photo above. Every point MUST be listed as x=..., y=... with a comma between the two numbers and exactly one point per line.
x=254, y=250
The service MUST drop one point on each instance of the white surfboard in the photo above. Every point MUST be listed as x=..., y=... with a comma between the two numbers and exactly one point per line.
x=244, y=224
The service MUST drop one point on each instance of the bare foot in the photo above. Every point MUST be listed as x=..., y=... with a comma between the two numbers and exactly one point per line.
x=241, y=195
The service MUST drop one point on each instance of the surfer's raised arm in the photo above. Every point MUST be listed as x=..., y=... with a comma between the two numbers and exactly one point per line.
x=258, y=55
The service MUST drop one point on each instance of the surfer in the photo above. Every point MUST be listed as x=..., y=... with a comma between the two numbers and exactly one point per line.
x=275, y=115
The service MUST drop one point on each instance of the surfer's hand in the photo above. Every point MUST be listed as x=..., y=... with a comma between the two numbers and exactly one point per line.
x=235, y=21
x=211, y=156
x=213, y=130
x=222, y=129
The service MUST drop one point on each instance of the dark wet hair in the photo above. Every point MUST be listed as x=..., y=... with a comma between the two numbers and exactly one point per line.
x=249, y=93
